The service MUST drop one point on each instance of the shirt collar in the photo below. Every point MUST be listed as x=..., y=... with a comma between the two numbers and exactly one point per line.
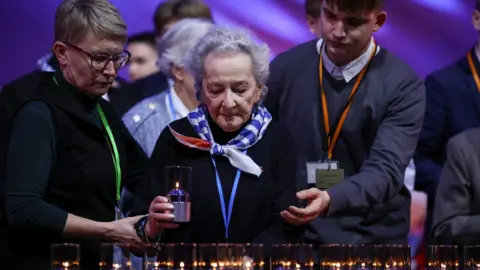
x=350, y=70
x=179, y=108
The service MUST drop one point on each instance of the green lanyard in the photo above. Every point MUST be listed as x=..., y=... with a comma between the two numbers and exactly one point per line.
x=113, y=149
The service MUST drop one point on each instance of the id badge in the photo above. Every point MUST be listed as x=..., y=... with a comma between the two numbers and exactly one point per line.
x=324, y=174
x=312, y=168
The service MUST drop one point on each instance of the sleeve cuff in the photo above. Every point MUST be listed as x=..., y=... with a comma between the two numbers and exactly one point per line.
x=338, y=199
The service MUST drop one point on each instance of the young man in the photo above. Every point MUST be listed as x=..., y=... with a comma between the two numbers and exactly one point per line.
x=453, y=106
x=143, y=62
x=356, y=112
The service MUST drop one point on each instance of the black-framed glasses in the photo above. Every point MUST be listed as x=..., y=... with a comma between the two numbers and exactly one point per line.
x=99, y=61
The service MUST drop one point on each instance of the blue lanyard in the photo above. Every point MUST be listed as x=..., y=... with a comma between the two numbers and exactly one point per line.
x=226, y=215
x=170, y=102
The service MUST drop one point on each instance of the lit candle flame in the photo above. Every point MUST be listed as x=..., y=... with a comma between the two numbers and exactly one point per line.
x=182, y=264
x=116, y=266
x=177, y=185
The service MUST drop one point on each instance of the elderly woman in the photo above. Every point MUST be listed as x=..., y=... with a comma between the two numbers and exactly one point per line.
x=243, y=164
x=148, y=118
x=69, y=155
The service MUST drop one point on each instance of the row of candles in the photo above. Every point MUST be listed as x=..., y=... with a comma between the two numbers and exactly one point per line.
x=278, y=257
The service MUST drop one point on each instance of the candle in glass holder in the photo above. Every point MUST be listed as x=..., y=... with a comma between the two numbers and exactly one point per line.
x=177, y=181
x=65, y=256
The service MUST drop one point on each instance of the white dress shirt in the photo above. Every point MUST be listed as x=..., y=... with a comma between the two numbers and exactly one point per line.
x=179, y=109
x=350, y=70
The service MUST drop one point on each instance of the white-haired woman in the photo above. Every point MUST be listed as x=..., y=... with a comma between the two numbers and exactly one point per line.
x=243, y=164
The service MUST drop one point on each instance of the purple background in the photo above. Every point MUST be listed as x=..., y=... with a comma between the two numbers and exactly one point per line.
x=428, y=34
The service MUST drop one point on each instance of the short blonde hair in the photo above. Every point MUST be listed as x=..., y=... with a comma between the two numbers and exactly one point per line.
x=75, y=18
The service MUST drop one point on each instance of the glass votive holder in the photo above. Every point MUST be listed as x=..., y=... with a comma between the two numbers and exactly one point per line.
x=65, y=256
x=397, y=257
x=114, y=257
x=250, y=256
x=230, y=256
x=471, y=257
x=332, y=256
x=283, y=256
x=358, y=256
x=443, y=257
x=305, y=257
x=381, y=257
x=181, y=256
x=207, y=256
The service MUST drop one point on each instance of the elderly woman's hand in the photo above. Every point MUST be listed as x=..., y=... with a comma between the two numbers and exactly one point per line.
x=160, y=217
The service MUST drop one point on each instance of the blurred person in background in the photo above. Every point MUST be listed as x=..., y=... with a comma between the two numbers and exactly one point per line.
x=143, y=62
x=69, y=154
x=453, y=94
x=313, y=9
x=167, y=13
x=148, y=118
x=453, y=106
x=456, y=215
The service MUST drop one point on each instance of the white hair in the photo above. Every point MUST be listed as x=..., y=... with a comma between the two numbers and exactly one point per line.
x=180, y=38
x=228, y=40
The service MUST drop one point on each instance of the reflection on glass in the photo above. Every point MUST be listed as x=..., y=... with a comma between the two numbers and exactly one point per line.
x=283, y=257
x=207, y=256
x=174, y=256
x=65, y=256
x=114, y=257
x=443, y=257
x=333, y=256
x=472, y=257
x=253, y=257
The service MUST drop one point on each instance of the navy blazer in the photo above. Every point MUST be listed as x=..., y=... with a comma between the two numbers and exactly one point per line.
x=453, y=106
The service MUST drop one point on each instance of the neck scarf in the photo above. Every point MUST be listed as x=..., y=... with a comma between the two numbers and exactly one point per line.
x=234, y=150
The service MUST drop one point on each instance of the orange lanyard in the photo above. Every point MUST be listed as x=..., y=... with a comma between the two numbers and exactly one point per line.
x=473, y=69
x=332, y=140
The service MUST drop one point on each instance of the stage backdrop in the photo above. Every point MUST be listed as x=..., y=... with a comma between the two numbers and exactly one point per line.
x=428, y=34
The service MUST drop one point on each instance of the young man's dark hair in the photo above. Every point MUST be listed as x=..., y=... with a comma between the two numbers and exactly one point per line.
x=477, y=5
x=355, y=5
x=146, y=37
x=313, y=8
x=171, y=11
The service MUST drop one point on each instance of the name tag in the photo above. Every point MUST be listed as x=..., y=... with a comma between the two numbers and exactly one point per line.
x=312, y=168
x=328, y=178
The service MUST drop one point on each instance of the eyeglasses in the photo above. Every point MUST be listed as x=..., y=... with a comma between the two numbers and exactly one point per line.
x=99, y=61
